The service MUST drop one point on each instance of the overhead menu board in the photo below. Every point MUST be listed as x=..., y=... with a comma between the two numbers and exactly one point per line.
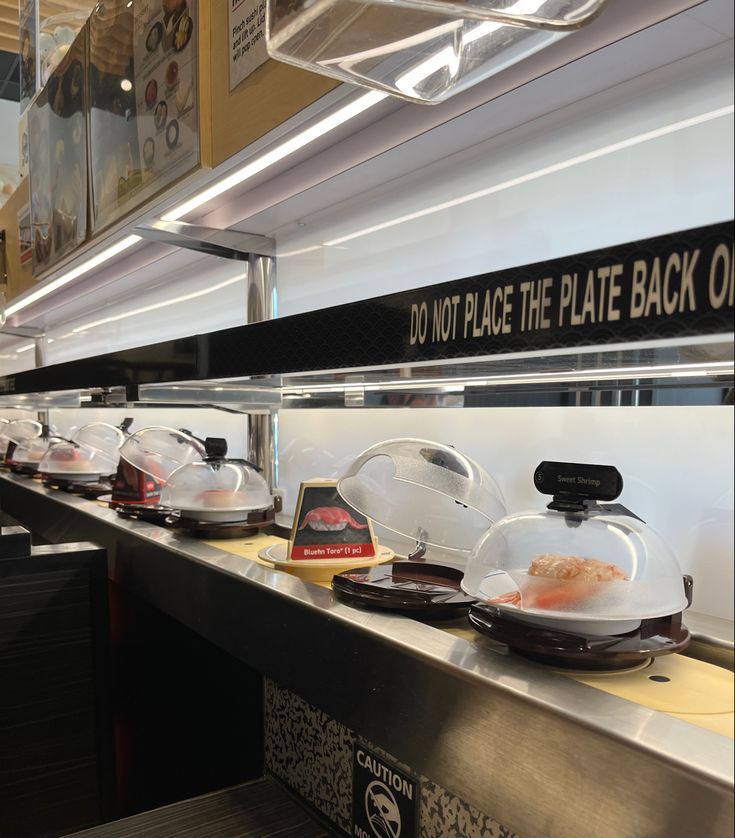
x=165, y=86
x=143, y=101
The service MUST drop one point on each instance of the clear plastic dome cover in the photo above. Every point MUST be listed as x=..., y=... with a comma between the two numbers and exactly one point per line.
x=19, y=430
x=420, y=50
x=602, y=566
x=101, y=437
x=424, y=490
x=73, y=460
x=159, y=451
x=32, y=451
x=216, y=490
x=94, y=451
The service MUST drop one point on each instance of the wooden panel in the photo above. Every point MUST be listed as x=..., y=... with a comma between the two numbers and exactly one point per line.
x=8, y=41
x=19, y=278
x=268, y=97
x=248, y=811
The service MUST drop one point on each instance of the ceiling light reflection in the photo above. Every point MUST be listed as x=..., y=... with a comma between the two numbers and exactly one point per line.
x=710, y=369
x=85, y=267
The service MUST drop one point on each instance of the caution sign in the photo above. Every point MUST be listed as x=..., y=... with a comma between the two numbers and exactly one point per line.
x=385, y=800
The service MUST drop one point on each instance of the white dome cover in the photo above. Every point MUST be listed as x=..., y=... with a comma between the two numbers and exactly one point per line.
x=424, y=490
x=159, y=451
x=601, y=566
x=223, y=490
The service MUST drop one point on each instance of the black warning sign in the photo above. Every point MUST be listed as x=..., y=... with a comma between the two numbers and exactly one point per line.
x=385, y=800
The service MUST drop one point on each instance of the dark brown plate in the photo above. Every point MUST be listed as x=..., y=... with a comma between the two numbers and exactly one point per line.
x=429, y=590
x=655, y=637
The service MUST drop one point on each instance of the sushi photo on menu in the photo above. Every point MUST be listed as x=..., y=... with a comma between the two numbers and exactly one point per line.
x=327, y=527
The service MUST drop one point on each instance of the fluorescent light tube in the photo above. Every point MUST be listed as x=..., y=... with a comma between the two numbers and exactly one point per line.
x=49, y=287
x=299, y=141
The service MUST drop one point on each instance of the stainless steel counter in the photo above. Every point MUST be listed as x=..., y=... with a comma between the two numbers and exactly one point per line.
x=543, y=754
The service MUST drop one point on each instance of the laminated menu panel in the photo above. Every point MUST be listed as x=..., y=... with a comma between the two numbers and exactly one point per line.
x=144, y=102
x=57, y=129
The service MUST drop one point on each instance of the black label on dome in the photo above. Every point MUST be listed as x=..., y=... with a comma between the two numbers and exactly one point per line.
x=582, y=479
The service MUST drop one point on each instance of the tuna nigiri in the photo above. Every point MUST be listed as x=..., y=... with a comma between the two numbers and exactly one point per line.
x=330, y=519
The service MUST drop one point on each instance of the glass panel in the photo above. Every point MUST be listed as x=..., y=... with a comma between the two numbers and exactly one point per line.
x=143, y=102
x=420, y=50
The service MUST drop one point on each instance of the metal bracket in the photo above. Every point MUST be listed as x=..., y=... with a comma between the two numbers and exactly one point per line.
x=229, y=244
x=38, y=336
x=22, y=331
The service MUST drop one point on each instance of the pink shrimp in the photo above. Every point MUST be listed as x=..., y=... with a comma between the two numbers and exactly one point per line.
x=330, y=519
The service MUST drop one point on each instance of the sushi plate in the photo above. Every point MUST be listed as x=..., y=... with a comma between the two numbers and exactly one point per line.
x=227, y=514
x=417, y=589
x=318, y=570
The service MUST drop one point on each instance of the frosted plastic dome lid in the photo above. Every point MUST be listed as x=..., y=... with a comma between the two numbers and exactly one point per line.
x=424, y=490
x=19, y=430
x=101, y=437
x=216, y=488
x=159, y=451
x=577, y=561
x=72, y=459
x=32, y=451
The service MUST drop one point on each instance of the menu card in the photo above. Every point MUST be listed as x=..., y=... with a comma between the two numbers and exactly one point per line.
x=326, y=527
x=144, y=108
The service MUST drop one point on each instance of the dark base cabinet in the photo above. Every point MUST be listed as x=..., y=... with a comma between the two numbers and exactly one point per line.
x=108, y=707
x=55, y=734
x=188, y=716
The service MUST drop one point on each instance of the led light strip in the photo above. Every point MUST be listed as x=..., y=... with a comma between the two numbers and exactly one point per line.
x=304, y=138
x=153, y=306
x=48, y=288
x=558, y=376
x=290, y=146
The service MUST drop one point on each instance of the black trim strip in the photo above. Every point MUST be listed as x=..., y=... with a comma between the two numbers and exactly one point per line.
x=612, y=295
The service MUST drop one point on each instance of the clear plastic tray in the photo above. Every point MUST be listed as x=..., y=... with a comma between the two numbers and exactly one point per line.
x=420, y=50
